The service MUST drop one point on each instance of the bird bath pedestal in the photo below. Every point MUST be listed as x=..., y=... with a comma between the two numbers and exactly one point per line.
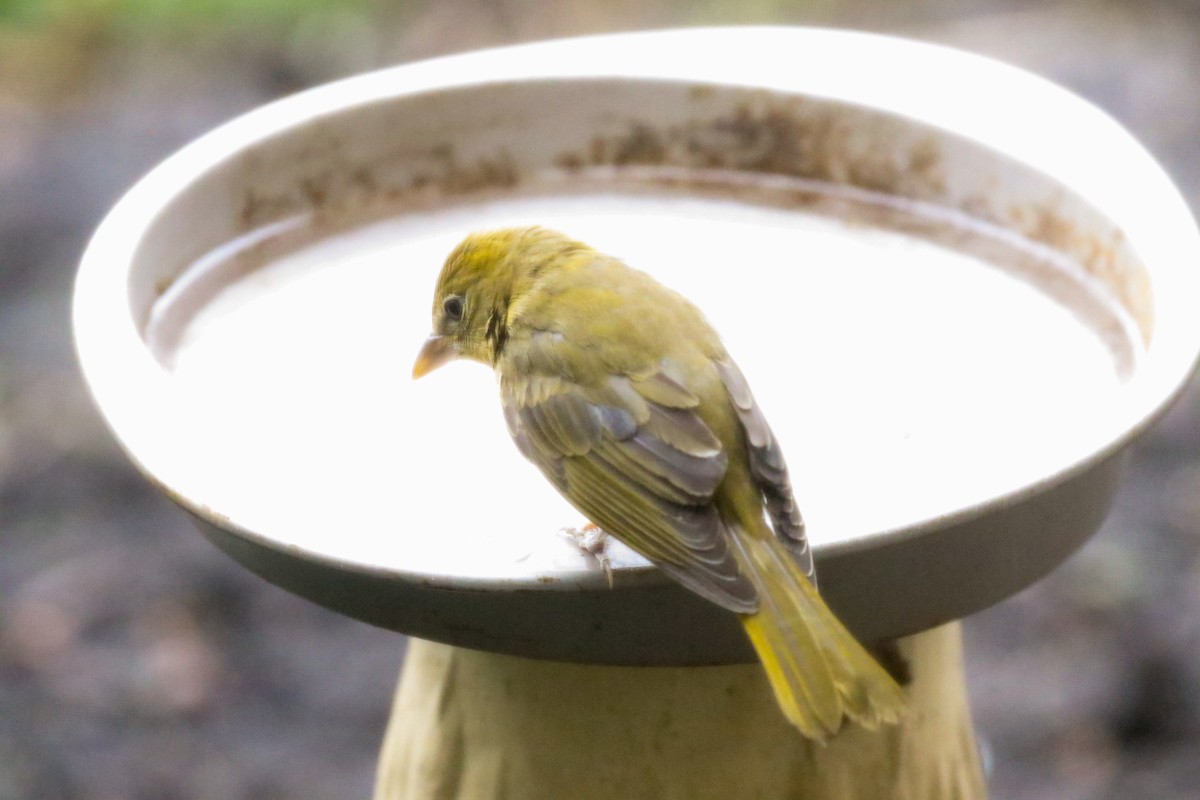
x=958, y=291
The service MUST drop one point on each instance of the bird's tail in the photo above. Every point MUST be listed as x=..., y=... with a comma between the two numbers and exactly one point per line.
x=818, y=670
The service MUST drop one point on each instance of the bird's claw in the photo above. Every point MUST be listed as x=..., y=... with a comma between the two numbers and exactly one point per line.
x=592, y=541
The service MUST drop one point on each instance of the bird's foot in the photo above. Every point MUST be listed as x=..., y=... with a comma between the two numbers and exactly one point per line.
x=593, y=543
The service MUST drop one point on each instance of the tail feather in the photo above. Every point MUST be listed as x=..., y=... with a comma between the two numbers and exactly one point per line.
x=819, y=672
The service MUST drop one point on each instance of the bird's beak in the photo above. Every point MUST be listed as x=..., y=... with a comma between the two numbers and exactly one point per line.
x=436, y=351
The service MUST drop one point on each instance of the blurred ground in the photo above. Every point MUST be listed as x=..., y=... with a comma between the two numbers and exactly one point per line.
x=138, y=662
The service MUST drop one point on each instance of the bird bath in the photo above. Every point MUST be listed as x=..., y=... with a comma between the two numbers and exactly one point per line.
x=958, y=291
x=955, y=314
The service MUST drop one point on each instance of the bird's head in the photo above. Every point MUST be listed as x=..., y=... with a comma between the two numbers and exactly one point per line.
x=477, y=285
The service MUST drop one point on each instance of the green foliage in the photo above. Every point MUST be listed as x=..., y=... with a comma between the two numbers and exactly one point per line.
x=19, y=10
x=165, y=13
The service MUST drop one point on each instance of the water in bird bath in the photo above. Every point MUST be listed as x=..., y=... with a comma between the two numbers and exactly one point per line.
x=905, y=378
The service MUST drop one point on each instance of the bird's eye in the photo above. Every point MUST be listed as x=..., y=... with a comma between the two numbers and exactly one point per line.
x=453, y=306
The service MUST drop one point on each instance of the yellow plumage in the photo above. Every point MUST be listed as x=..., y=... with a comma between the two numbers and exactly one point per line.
x=818, y=671
x=624, y=396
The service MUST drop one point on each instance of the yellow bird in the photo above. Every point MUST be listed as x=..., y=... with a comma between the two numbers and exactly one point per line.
x=619, y=390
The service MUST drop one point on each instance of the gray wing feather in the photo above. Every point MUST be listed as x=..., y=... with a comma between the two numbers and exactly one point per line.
x=643, y=470
x=768, y=468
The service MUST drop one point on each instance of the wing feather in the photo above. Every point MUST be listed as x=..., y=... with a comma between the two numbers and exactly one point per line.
x=682, y=430
x=707, y=569
x=661, y=388
x=639, y=462
x=768, y=467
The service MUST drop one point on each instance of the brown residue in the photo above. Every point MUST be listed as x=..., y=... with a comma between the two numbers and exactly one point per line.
x=568, y=162
x=1106, y=259
x=769, y=136
x=642, y=145
x=815, y=144
x=334, y=186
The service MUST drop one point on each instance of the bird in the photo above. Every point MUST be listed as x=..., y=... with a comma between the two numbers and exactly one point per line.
x=619, y=390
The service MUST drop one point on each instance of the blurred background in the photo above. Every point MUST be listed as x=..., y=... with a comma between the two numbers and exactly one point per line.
x=137, y=662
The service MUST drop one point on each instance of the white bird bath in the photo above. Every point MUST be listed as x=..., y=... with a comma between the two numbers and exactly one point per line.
x=958, y=291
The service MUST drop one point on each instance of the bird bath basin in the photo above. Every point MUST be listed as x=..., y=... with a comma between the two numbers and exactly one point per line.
x=958, y=291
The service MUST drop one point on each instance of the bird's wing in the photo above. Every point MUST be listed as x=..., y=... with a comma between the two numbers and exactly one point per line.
x=635, y=457
x=768, y=467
